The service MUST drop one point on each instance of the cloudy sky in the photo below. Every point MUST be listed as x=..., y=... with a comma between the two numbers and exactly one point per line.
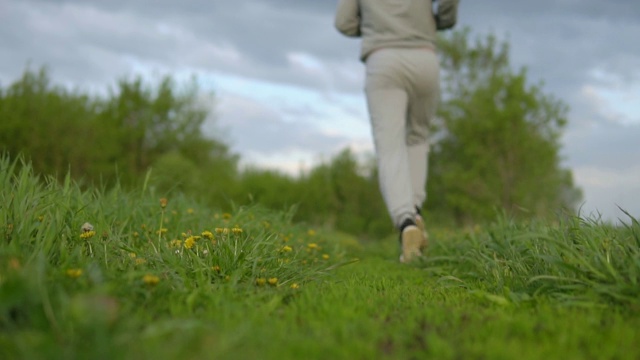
x=288, y=87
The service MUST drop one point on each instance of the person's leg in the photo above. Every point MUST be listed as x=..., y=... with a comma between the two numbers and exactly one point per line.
x=424, y=95
x=387, y=102
x=418, y=165
x=423, y=100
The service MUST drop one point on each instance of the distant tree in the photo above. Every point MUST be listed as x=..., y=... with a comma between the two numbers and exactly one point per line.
x=47, y=124
x=148, y=122
x=115, y=138
x=498, y=139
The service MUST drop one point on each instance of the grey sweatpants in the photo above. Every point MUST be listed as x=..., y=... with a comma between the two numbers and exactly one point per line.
x=402, y=90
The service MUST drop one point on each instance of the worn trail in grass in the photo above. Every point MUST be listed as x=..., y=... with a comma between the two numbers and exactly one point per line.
x=380, y=309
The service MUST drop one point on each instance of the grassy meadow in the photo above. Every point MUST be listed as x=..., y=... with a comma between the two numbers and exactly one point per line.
x=114, y=274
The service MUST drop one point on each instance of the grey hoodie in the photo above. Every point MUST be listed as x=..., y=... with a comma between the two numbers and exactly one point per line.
x=387, y=23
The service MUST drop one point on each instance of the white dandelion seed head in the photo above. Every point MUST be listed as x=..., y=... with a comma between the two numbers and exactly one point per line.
x=86, y=227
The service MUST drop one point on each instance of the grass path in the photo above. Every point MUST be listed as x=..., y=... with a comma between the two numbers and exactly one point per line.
x=378, y=308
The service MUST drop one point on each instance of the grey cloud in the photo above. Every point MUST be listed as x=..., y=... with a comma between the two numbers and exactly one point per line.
x=612, y=10
x=262, y=29
x=594, y=139
x=263, y=35
x=605, y=145
x=560, y=41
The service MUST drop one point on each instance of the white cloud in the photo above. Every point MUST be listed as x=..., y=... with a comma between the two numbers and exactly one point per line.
x=259, y=127
x=306, y=62
x=607, y=190
x=615, y=97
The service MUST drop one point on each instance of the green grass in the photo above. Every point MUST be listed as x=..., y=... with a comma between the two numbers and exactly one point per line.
x=129, y=291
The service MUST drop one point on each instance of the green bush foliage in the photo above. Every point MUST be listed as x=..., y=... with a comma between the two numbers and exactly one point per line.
x=499, y=138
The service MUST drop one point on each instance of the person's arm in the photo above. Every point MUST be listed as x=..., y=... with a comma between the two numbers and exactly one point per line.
x=348, y=18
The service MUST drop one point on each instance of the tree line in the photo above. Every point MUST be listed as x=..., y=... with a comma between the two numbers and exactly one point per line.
x=496, y=146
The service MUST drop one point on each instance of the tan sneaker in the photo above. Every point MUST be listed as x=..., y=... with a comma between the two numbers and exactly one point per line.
x=412, y=242
x=425, y=235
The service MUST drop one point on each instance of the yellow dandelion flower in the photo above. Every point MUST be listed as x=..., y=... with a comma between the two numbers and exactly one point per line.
x=325, y=256
x=150, y=279
x=311, y=232
x=163, y=202
x=74, y=273
x=216, y=268
x=162, y=231
x=313, y=246
x=132, y=255
x=273, y=281
x=207, y=235
x=222, y=231
x=189, y=242
x=87, y=234
x=175, y=243
x=136, y=234
x=236, y=231
x=141, y=261
x=261, y=281
x=287, y=248
x=295, y=286
x=190, y=211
